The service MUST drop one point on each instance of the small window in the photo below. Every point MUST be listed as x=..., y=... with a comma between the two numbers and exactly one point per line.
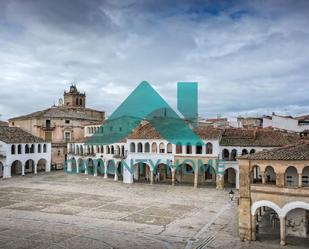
x=111, y=128
x=120, y=129
x=67, y=121
x=67, y=136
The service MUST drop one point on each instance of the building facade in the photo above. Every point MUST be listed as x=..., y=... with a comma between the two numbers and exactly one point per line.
x=214, y=162
x=60, y=124
x=274, y=193
x=22, y=153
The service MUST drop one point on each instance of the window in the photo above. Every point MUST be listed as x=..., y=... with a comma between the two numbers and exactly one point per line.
x=161, y=148
x=80, y=102
x=13, y=149
x=67, y=121
x=178, y=148
x=199, y=148
x=19, y=149
x=39, y=148
x=209, y=148
x=76, y=101
x=44, y=148
x=27, y=149
x=189, y=148
x=47, y=124
x=67, y=136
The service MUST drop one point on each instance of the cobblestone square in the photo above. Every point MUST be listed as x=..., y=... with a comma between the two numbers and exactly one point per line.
x=58, y=210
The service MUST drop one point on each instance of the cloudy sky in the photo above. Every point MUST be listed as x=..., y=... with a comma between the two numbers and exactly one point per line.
x=249, y=57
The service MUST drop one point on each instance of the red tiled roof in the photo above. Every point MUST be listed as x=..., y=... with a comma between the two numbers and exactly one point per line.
x=299, y=151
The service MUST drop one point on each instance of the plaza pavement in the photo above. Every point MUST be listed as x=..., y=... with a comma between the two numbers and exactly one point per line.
x=58, y=210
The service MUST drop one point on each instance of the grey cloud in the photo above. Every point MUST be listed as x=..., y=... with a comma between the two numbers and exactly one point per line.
x=249, y=57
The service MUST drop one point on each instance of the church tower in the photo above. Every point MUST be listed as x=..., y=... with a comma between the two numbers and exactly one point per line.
x=74, y=98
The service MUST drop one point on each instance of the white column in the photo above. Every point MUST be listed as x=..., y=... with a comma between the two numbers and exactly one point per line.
x=95, y=168
x=151, y=176
x=105, y=170
x=282, y=231
x=35, y=168
x=300, y=180
x=237, y=179
x=193, y=149
x=116, y=174
x=22, y=169
x=86, y=169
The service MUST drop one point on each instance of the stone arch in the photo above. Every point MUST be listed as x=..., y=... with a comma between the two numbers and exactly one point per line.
x=140, y=147
x=265, y=203
x=233, y=154
x=41, y=165
x=305, y=177
x=29, y=166
x=291, y=177
x=162, y=173
x=16, y=168
x=161, y=147
x=209, y=173
x=209, y=148
x=147, y=147
x=185, y=173
x=244, y=152
x=256, y=176
x=270, y=175
x=112, y=150
x=142, y=172
x=225, y=155
x=154, y=147
x=293, y=205
x=132, y=147
x=230, y=176
x=100, y=167
x=252, y=151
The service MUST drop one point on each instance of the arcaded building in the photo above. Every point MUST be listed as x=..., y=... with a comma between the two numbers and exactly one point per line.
x=274, y=194
x=60, y=124
x=22, y=153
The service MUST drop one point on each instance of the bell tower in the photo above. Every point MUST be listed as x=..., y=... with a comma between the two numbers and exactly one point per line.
x=74, y=98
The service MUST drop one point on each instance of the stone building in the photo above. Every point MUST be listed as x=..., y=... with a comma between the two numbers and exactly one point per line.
x=274, y=193
x=22, y=153
x=60, y=124
x=217, y=156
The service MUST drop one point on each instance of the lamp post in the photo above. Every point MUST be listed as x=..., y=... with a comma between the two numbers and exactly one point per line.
x=231, y=194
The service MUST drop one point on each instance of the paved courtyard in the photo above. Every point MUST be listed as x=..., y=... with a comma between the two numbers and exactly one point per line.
x=57, y=210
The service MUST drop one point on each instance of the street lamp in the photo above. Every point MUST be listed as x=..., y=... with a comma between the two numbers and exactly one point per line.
x=231, y=194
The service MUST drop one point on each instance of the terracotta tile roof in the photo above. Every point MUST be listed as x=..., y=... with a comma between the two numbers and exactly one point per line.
x=3, y=123
x=145, y=131
x=61, y=112
x=209, y=132
x=298, y=151
x=257, y=137
x=17, y=135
